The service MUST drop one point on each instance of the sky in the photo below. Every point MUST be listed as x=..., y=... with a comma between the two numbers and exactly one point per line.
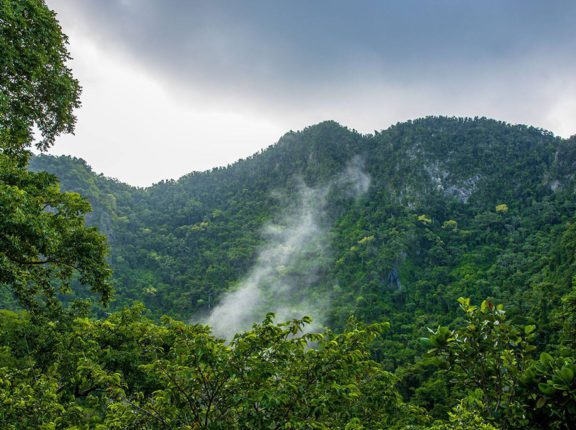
x=173, y=86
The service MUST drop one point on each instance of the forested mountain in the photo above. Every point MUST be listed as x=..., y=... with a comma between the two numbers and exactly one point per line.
x=454, y=207
x=437, y=259
x=394, y=226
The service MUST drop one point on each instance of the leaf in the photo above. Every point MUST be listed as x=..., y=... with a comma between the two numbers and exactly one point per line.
x=485, y=306
x=566, y=374
x=425, y=340
x=546, y=389
x=464, y=301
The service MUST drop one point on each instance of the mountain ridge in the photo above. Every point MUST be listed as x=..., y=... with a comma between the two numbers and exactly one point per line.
x=428, y=223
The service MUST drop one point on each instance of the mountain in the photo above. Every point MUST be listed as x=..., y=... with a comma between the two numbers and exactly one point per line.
x=392, y=226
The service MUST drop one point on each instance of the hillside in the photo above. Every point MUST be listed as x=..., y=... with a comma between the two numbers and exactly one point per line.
x=419, y=278
x=394, y=227
x=455, y=207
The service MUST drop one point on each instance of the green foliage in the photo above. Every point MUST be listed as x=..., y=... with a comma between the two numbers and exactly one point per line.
x=465, y=416
x=486, y=357
x=37, y=89
x=489, y=361
x=193, y=239
x=424, y=219
x=432, y=228
x=551, y=384
x=43, y=240
x=28, y=400
x=128, y=372
x=179, y=245
x=266, y=377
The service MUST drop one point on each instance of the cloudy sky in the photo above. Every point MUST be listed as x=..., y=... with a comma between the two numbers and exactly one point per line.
x=172, y=86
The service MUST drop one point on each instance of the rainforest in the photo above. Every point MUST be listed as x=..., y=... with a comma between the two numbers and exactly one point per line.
x=418, y=277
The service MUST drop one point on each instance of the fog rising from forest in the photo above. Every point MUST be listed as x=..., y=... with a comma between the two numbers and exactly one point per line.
x=296, y=248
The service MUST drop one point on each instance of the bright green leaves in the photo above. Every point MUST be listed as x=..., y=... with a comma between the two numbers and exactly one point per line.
x=465, y=416
x=424, y=219
x=489, y=361
x=272, y=376
x=29, y=399
x=529, y=329
x=465, y=305
x=128, y=372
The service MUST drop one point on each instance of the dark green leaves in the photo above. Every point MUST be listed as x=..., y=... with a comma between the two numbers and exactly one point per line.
x=44, y=242
x=36, y=87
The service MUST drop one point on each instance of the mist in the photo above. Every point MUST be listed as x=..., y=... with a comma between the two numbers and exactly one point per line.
x=296, y=250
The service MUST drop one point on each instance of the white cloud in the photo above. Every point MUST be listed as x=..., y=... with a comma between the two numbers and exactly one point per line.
x=131, y=128
x=168, y=90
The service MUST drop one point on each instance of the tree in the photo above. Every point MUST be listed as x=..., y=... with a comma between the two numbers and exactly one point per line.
x=37, y=89
x=43, y=239
x=485, y=360
x=128, y=372
x=550, y=384
x=272, y=376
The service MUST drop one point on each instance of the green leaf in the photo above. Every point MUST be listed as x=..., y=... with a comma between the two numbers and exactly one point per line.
x=566, y=374
x=464, y=301
x=546, y=358
x=546, y=389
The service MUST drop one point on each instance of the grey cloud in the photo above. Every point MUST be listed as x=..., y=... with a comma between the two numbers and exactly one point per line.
x=250, y=41
x=285, y=53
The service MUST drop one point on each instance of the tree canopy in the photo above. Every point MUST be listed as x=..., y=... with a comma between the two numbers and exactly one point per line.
x=37, y=89
x=456, y=207
x=44, y=242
